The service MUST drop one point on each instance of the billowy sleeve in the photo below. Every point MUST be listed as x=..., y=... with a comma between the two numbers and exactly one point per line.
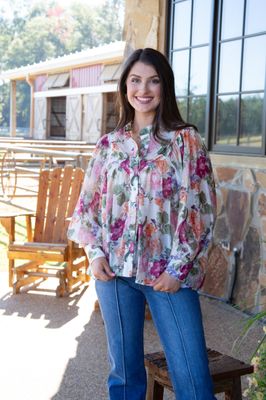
x=196, y=212
x=85, y=227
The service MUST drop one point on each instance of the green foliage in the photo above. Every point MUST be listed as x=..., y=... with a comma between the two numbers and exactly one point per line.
x=23, y=100
x=36, y=31
x=257, y=381
x=251, y=110
x=84, y=24
x=47, y=30
x=107, y=22
x=197, y=112
x=4, y=105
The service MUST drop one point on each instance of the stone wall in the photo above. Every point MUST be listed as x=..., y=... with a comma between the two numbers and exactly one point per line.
x=145, y=22
x=237, y=259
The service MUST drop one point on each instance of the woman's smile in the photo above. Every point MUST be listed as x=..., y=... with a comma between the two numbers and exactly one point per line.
x=144, y=100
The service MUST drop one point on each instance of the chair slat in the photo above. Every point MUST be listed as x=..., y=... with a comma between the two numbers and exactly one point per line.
x=74, y=195
x=53, y=204
x=58, y=233
x=75, y=190
x=34, y=246
x=41, y=205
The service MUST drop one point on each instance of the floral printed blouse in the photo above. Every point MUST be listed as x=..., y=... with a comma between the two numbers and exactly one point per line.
x=149, y=209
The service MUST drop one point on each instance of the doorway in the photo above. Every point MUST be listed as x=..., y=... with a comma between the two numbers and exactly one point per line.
x=57, y=117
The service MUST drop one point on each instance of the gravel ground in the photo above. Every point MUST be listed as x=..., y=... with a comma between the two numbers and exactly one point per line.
x=55, y=348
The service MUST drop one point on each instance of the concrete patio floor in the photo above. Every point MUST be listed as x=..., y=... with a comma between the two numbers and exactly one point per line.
x=54, y=348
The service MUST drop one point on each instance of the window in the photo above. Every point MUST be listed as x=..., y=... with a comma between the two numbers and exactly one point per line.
x=191, y=34
x=57, y=81
x=111, y=73
x=218, y=51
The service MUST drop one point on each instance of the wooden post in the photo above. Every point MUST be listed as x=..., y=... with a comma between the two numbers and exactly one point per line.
x=31, y=83
x=162, y=32
x=13, y=109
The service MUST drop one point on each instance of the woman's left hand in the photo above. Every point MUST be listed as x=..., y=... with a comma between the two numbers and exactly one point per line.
x=166, y=283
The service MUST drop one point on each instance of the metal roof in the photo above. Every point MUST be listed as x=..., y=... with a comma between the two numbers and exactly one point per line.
x=109, y=53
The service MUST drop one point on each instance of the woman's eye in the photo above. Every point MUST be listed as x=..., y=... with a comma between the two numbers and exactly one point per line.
x=134, y=80
x=155, y=81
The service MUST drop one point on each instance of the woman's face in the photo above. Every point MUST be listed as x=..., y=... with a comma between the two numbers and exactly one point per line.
x=143, y=88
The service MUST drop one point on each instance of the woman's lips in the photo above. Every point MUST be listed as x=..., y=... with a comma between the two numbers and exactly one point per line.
x=143, y=100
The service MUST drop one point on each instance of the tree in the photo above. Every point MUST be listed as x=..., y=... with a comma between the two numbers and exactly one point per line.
x=48, y=30
x=4, y=105
x=84, y=28
x=108, y=26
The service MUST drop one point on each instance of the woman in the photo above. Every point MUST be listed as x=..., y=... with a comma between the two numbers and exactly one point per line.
x=145, y=218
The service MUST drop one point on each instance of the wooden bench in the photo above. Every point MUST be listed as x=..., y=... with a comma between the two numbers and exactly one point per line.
x=226, y=374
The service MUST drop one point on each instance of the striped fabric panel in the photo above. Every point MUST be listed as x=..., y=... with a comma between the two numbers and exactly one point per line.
x=87, y=76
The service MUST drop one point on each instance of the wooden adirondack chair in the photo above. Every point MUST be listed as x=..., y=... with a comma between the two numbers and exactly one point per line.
x=58, y=193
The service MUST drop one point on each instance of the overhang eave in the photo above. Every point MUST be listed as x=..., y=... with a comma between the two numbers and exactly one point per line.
x=112, y=53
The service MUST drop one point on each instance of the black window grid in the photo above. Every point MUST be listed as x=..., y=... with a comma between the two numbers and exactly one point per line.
x=213, y=78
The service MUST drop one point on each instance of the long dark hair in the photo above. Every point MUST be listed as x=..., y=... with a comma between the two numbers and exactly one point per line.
x=167, y=114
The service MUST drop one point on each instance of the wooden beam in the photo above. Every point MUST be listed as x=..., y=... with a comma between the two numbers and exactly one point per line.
x=31, y=83
x=13, y=108
x=162, y=34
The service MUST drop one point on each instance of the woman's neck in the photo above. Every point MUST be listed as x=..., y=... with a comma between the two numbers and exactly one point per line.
x=141, y=122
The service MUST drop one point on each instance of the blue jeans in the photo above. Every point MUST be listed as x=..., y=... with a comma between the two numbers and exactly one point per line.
x=177, y=318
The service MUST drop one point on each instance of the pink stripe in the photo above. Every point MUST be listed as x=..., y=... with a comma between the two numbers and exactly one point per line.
x=39, y=82
x=88, y=76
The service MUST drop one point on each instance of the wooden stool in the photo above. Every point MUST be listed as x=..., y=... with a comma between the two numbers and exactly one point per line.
x=226, y=375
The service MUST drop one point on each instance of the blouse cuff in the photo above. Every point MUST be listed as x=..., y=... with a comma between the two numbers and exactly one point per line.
x=172, y=272
x=93, y=252
x=181, y=273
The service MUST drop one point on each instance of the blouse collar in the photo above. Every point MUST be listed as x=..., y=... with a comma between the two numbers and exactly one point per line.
x=146, y=135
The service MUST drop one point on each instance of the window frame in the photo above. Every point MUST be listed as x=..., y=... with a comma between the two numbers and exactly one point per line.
x=212, y=94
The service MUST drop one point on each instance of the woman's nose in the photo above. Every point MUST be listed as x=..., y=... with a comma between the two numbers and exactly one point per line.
x=143, y=86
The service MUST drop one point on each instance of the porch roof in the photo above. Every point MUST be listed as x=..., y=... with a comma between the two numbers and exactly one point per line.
x=106, y=54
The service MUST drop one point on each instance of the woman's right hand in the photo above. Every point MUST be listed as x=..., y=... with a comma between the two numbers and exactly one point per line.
x=101, y=269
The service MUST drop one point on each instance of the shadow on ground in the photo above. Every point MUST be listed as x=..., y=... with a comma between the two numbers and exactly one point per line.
x=40, y=305
x=85, y=375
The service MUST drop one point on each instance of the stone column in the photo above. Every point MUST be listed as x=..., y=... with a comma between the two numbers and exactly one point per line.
x=145, y=24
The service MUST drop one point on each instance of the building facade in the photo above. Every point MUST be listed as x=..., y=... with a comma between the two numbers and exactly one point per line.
x=72, y=97
x=217, y=49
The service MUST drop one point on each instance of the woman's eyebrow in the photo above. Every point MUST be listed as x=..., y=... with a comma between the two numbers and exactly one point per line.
x=138, y=76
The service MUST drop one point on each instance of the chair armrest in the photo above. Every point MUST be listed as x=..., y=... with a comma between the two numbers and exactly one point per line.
x=8, y=222
x=14, y=214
